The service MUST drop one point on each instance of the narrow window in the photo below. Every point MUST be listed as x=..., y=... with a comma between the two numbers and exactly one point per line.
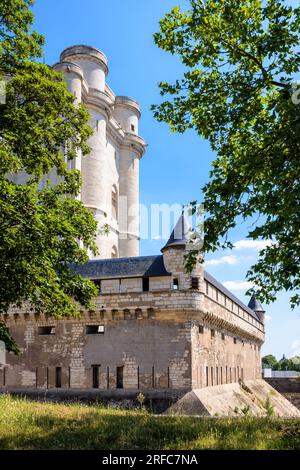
x=94, y=329
x=234, y=340
x=207, y=379
x=46, y=330
x=226, y=375
x=223, y=336
x=212, y=333
x=95, y=370
x=58, y=377
x=217, y=375
x=195, y=283
x=175, y=284
x=212, y=375
x=145, y=284
x=120, y=373
x=114, y=203
x=201, y=329
x=132, y=127
x=114, y=252
x=221, y=370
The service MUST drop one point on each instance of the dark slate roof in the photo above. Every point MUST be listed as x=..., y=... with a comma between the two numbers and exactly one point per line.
x=140, y=266
x=143, y=266
x=180, y=234
x=255, y=305
x=209, y=278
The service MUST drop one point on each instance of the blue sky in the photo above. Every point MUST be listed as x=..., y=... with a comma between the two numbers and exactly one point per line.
x=175, y=166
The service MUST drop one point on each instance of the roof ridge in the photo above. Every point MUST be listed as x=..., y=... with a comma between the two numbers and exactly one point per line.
x=117, y=259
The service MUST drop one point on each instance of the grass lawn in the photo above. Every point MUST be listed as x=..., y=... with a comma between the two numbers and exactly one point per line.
x=26, y=424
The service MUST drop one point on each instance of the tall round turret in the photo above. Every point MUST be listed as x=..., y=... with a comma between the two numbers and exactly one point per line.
x=96, y=184
x=92, y=62
x=73, y=77
x=75, y=82
x=127, y=114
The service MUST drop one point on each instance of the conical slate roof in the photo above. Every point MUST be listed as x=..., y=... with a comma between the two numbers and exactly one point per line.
x=255, y=304
x=181, y=233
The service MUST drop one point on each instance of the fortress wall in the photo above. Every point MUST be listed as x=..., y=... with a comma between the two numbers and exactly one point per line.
x=154, y=354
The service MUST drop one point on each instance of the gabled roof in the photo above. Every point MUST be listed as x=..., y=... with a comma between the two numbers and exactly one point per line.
x=140, y=266
x=209, y=278
x=180, y=234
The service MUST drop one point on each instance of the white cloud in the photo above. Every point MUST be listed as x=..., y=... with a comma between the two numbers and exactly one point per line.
x=238, y=285
x=230, y=259
x=252, y=244
x=296, y=347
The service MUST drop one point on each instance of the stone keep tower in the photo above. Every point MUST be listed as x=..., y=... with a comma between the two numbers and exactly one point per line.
x=110, y=173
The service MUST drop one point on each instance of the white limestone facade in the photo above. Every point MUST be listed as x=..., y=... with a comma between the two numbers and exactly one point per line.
x=110, y=173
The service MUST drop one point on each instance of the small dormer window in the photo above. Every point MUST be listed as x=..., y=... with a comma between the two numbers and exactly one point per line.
x=175, y=284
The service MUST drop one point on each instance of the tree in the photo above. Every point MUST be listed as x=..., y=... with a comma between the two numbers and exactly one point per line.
x=42, y=228
x=241, y=59
x=284, y=364
x=269, y=362
x=295, y=363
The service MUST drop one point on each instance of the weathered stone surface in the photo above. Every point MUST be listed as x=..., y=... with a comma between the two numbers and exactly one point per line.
x=253, y=397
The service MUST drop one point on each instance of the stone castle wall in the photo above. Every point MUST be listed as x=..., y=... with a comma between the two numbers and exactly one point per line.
x=162, y=339
x=155, y=353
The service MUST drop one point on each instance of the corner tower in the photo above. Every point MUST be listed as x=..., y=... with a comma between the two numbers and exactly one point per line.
x=174, y=253
x=110, y=173
x=257, y=307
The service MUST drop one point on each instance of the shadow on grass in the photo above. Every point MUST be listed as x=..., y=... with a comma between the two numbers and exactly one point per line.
x=112, y=430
